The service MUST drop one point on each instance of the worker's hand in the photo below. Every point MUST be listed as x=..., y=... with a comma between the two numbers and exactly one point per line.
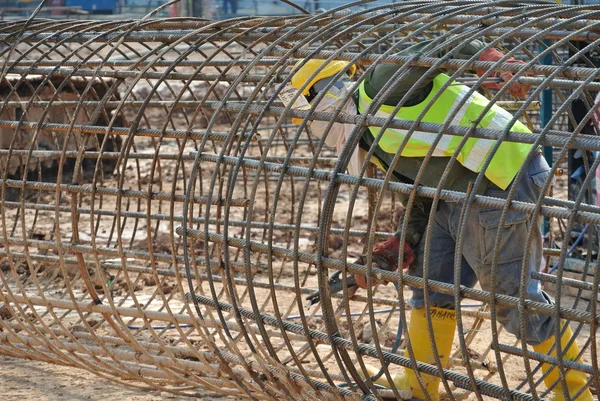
x=385, y=256
x=516, y=89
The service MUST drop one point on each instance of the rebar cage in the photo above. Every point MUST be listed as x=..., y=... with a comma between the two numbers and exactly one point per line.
x=163, y=219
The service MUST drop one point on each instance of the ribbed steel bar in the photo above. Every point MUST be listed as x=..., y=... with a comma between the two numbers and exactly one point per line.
x=166, y=36
x=168, y=211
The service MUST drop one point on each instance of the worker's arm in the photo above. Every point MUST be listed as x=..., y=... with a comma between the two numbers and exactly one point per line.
x=417, y=220
x=385, y=255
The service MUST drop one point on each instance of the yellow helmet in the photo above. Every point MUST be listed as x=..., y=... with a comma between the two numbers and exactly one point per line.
x=304, y=73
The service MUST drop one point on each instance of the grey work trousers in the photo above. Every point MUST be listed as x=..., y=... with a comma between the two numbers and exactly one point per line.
x=480, y=234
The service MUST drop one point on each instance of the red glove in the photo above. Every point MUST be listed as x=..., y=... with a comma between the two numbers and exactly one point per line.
x=385, y=256
x=516, y=89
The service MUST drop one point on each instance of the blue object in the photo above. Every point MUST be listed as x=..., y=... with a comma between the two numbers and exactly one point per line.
x=578, y=174
x=545, y=116
x=94, y=6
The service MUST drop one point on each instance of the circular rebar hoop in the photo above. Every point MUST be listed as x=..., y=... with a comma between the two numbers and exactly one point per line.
x=163, y=220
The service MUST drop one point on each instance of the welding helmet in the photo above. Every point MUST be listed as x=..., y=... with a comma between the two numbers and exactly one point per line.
x=307, y=70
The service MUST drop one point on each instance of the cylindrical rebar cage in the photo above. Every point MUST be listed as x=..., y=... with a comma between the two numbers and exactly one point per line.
x=164, y=220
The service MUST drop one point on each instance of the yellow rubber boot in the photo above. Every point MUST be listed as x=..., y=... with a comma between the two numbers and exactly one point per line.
x=400, y=381
x=575, y=380
x=444, y=326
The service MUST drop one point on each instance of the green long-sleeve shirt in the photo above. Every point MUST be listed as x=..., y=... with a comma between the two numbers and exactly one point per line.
x=407, y=168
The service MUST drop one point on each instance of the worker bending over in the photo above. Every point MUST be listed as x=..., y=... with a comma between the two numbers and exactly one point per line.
x=481, y=226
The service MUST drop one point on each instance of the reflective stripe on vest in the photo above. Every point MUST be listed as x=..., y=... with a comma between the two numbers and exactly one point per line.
x=507, y=160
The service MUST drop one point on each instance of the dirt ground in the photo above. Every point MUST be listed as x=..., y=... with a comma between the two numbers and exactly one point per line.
x=22, y=379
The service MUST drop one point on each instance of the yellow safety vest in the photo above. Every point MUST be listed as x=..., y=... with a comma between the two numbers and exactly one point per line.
x=507, y=160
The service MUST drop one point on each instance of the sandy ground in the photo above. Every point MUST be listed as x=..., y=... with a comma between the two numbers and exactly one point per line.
x=29, y=380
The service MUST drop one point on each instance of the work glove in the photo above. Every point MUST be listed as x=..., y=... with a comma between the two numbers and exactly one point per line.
x=385, y=256
x=516, y=89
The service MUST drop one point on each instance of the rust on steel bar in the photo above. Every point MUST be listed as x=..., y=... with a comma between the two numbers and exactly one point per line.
x=174, y=195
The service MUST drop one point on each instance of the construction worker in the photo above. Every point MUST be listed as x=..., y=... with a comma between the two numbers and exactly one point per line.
x=481, y=228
